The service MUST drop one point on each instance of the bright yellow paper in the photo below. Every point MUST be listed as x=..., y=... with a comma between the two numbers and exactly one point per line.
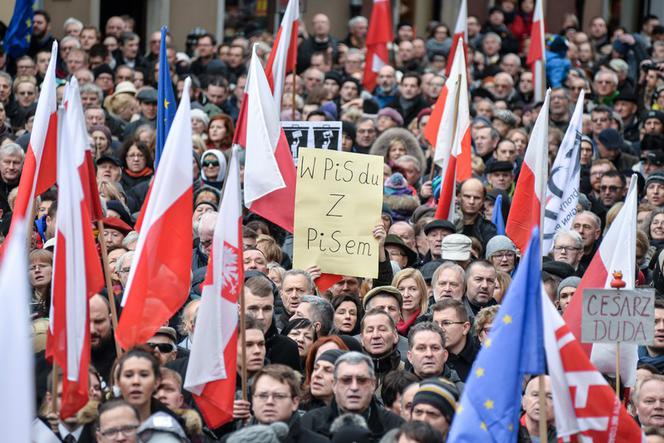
x=338, y=201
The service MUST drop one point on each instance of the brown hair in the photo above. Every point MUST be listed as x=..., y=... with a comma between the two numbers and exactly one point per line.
x=283, y=374
x=313, y=350
x=450, y=303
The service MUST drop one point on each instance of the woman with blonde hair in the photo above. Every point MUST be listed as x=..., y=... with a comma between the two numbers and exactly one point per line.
x=41, y=274
x=270, y=249
x=413, y=289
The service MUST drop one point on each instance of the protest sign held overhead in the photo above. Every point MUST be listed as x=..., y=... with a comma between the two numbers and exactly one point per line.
x=321, y=135
x=338, y=201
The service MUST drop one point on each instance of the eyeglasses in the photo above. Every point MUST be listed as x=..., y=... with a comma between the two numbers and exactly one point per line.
x=207, y=164
x=565, y=248
x=164, y=348
x=125, y=270
x=277, y=396
x=611, y=188
x=448, y=323
x=113, y=433
x=359, y=379
x=504, y=254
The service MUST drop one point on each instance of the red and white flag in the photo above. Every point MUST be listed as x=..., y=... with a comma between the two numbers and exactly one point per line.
x=213, y=360
x=378, y=37
x=84, y=162
x=536, y=55
x=77, y=271
x=16, y=373
x=39, y=167
x=617, y=252
x=585, y=406
x=460, y=32
x=448, y=131
x=283, y=56
x=269, y=178
x=527, y=209
x=159, y=280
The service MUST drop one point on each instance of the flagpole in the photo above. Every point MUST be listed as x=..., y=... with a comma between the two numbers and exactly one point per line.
x=456, y=118
x=54, y=388
x=109, y=284
x=243, y=342
x=294, y=105
x=542, y=408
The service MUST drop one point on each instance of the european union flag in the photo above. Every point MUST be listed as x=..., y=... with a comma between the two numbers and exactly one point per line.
x=497, y=216
x=165, y=100
x=17, y=38
x=490, y=405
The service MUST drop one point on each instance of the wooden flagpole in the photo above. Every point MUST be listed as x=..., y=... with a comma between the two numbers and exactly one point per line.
x=109, y=284
x=244, y=344
x=542, y=409
x=54, y=388
x=294, y=104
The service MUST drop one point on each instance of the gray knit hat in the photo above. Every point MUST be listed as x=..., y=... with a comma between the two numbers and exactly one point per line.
x=499, y=243
x=572, y=282
x=272, y=433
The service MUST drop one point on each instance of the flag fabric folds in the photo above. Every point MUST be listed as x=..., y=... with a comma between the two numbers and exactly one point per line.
x=211, y=373
x=165, y=100
x=283, y=56
x=448, y=131
x=39, y=167
x=379, y=36
x=159, y=281
x=77, y=271
x=563, y=184
x=19, y=31
x=528, y=200
x=16, y=373
x=491, y=401
x=497, y=215
x=585, y=406
x=269, y=186
x=460, y=32
x=536, y=54
x=617, y=252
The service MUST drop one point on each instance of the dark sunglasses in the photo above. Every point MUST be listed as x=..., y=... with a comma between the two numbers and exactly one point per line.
x=207, y=164
x=164, y=348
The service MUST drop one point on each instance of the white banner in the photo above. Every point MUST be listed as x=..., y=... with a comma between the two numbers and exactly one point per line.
x=562, y=192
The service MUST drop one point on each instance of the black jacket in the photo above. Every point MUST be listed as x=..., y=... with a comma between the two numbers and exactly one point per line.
x=482, y=229
x=281, y=349
x=463, y=362
x=379, y=419
x=299, y=434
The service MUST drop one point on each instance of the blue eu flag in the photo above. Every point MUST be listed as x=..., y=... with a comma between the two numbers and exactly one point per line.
x=490, y=405
x=17, y=38
x=165, y=100
x=497, y=216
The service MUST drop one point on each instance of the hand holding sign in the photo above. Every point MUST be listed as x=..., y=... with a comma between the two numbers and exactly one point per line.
x=338, y=203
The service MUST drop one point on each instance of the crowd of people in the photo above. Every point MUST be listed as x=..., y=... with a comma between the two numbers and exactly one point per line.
x=364, y=360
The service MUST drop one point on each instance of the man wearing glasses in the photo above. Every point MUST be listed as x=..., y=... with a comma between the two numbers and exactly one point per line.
x=568, y=248
x=353, y=386
x=276, y=397
x=118, y=422
x=502, y=253
x=612, y=188
x=462, y=349
x=163, y=344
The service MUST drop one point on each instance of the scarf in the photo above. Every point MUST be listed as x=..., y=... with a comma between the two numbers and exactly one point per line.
x=142, y=173
x=404, y=325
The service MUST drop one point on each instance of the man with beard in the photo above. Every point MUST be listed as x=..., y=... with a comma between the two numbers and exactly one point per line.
x=102, y=345
x=41, y=37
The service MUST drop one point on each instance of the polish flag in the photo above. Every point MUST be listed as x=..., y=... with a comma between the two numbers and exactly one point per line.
x=269, y=179
x=85, y=163
x=448, y=131
x=16, y=372
x=283, y=56
x=213, y=360
x=159, y=280
x=585, y=406
x=460, y=32
x=536, y=57
x=617, y=252
x=527, y=210
x=38, y=173
x=77, y=271
x=378, y=37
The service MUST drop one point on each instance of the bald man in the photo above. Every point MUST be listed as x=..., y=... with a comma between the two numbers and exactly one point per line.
x=471, y=200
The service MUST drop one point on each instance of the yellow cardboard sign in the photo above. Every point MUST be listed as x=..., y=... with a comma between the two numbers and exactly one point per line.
x=338, y=201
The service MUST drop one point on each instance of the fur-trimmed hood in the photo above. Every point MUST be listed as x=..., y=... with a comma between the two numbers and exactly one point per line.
x=382, y=143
